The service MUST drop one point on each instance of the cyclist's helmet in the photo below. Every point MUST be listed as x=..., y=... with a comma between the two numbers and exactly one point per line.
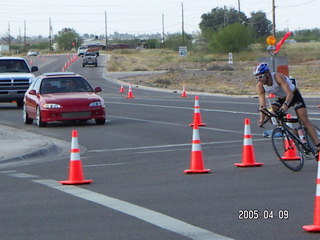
x=261, y=68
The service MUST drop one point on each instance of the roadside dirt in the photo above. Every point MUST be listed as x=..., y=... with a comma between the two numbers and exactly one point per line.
x=218, y=76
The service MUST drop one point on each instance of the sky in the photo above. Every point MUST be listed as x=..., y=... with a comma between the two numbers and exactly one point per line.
x=141, y=16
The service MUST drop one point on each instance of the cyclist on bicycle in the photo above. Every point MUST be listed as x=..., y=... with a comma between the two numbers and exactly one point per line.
x=287, y=95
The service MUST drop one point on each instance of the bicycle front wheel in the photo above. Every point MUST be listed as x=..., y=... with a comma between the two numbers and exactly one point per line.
x=288, y=149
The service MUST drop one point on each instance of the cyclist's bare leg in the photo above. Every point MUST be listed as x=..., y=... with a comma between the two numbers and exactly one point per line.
x=303, y=116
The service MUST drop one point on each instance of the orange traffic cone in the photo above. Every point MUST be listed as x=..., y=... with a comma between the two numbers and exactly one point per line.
x=75, y=168
x=184, y=93
x=64, y=67
x=196, y=159
x=121, y=89
x=290, y=152
x=197, y=115
x=316, y=217
x=248, y=157
x=130, y=93
x=271, y=95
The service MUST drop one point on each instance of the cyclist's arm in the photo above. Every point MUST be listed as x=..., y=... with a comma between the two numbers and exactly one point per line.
x=262, y=103
x=281, y=80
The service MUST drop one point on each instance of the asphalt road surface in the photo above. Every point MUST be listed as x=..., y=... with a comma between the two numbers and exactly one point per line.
x=137, y=161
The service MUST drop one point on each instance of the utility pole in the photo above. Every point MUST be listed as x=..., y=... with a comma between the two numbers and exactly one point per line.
x=25, y=37
x=224, y=17
x=50, y=35
x=9, y=38
x=182, y=24
x=273, y=19
x=19, y=39
x=239, y=10
x=163, y=43
x=106, y=27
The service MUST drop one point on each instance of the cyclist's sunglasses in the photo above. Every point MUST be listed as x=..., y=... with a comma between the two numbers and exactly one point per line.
x=261, y=76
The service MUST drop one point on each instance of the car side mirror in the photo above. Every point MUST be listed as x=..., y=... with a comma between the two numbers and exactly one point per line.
x=32, y=92
x=34, y=69
x=98, y=89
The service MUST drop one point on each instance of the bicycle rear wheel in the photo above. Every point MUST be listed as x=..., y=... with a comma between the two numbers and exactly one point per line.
x=288, y=149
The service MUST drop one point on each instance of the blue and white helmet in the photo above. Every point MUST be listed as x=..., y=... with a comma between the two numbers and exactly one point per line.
x=261, y=68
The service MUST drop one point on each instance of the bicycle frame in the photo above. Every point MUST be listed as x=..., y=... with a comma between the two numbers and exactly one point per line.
x=292, y=132
x=282, y=122
x=290, y=142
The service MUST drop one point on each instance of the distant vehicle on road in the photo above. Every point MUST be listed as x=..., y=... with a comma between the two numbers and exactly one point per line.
x=15, y=78
x=94, y=48
x=32, y=53
x=62, y=96
x=82, y=50
x=89, y=59
x=91, y=48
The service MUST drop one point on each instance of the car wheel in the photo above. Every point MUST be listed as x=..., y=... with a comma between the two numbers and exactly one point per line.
x=26, y=119
x=19, y=103
x=83, y=65
x=39, y=121
x=96, y=64
x=100, y=121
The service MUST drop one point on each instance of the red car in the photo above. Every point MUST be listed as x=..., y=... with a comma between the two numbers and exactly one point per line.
x=62, y=96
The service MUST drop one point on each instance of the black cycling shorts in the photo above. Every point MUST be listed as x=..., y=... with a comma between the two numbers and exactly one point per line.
x=297, y=101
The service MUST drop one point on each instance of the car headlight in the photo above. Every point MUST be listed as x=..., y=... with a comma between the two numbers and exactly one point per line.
x=95, y=104
x=51, y=105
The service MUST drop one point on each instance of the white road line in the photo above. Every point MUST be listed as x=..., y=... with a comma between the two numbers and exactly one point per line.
x=203, y=109
x=188, y=108
x=172, y=145
x=182, y=125
x=158, y=219
x=22, y=175
x=116, y=97
x=108, y=164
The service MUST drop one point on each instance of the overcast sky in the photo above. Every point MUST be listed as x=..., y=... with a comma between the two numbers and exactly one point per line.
x=141, y=16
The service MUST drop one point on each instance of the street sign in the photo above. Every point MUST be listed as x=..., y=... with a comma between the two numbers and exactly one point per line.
x=183, y=51
x=230, y=58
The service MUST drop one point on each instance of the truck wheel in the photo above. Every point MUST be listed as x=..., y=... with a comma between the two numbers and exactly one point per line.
x=20, y=103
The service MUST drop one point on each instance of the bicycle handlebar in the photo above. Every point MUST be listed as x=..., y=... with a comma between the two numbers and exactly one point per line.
x=279, y=115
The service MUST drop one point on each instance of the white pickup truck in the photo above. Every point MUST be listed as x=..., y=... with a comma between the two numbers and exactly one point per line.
x=82, y=50
x=15, y=78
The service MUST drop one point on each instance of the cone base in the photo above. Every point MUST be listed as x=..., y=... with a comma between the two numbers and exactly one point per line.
x=248, y=164
x=312, y=228
x=70, y=182
x=190, y=171
x=199, y=124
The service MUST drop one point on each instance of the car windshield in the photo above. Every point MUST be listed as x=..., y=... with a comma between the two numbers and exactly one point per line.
x=64, y=84
x=9, y=66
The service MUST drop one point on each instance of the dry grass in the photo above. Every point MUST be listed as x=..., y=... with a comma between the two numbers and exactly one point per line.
x=212, y=73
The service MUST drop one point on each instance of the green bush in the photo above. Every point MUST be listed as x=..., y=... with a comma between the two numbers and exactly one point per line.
x=234, y=38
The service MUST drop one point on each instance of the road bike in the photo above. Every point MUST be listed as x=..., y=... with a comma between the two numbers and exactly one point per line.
x=290, y=140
